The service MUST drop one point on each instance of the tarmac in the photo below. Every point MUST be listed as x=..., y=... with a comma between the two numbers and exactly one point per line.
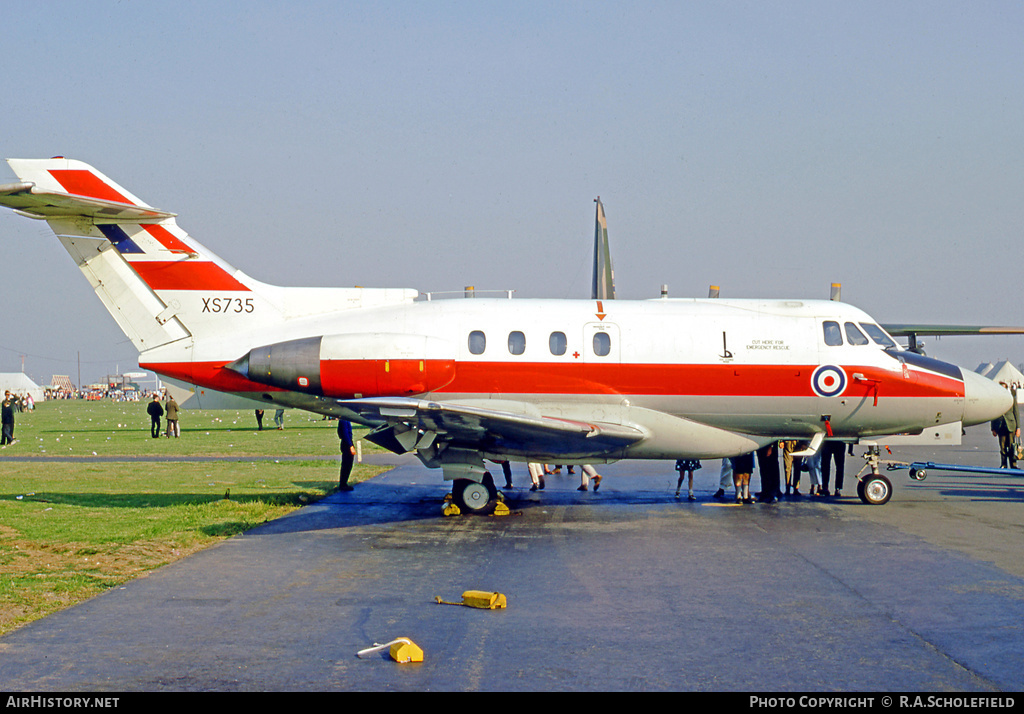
x=626, y=589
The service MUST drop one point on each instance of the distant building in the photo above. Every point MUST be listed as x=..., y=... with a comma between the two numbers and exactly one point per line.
x=62, y=382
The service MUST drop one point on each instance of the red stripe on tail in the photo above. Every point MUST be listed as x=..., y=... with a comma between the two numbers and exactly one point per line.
x=85, y=183
x=186, y=275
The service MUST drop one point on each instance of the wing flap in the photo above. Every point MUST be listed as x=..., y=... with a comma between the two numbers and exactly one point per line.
x=408, y=423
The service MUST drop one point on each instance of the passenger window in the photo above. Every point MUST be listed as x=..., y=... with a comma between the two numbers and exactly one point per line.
x=516, y=343
x=602, y=344
x=854, y=336
x=557, y=343
x=477, y=342
x=833, y=337
x=877, y=334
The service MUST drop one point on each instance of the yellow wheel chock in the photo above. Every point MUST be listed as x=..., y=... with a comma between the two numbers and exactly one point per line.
x=450, y=509
x=479, y=599
x=403, y=650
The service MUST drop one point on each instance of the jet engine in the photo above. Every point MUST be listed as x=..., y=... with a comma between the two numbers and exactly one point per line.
x=352, y=366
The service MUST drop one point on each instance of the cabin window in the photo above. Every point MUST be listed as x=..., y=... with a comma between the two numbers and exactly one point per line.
x=833, y=337
x=516, y=342
x=477, y=342
x=557, y=343
x=877, y=334
x=602, y=344
x=853, y=335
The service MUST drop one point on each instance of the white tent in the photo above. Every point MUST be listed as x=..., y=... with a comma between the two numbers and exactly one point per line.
x=1005, y=373
x=19, y=383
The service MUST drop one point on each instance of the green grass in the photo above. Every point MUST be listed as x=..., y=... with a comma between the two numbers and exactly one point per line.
x=69, y=530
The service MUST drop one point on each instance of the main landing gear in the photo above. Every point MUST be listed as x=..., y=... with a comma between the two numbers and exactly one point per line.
x=477, y=498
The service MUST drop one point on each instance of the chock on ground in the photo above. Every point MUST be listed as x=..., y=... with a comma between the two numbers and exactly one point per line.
x=479, y=599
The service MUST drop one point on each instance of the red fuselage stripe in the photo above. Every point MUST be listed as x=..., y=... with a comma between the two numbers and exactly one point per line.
x=540, y=378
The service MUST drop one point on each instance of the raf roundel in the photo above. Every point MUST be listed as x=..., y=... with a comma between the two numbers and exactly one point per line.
x=828, y=381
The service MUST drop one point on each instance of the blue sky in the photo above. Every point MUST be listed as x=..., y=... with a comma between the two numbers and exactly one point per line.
x=771, y=148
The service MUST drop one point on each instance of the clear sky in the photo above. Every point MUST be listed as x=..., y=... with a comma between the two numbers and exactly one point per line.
x=771, y=148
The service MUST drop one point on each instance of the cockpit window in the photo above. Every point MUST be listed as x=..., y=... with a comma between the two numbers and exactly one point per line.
x=833, y=337
x=853, y=335
x=878, y=335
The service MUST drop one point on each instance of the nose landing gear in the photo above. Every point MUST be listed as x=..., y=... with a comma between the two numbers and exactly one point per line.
x=874, y=489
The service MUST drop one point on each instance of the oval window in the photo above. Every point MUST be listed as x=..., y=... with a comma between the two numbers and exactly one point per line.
x=557, y=343
x=602, y=344
x=477, y=342
x=516, y=342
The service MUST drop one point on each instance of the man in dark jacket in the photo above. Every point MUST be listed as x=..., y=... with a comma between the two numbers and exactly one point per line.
x=1007, y=429
x=348, y=452
x=155, y=411
x=7, y=419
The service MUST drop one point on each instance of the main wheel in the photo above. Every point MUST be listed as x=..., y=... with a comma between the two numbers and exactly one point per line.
x=473, y=497
x=875, y=490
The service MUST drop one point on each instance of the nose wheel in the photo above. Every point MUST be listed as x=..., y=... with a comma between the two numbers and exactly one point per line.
x=874, y=489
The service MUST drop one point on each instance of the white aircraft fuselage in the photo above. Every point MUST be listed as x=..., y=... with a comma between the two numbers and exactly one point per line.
x=461, y=381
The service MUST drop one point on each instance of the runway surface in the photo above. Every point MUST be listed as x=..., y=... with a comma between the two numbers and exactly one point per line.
x=624, y=589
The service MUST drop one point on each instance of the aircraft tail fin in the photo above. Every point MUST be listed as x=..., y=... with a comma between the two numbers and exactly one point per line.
x=604, y=276
x=159, y=284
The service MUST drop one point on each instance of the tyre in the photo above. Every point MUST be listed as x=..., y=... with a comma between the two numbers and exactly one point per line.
x=477, y=498
x=875, y=490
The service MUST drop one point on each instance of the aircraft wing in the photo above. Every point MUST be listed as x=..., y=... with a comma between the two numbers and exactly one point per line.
x=914, y=330
x=909, y=330
x=512, y=428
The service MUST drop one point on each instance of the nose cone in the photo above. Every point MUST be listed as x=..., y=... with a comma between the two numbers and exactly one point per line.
x=984, y=399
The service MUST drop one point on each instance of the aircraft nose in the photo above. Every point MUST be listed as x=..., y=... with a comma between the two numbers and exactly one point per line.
x=984, y=399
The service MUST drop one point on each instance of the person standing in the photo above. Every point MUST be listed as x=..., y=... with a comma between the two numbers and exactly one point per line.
x=833, y=452
x=172, y=418
x=259, y=420
x=279, y=418
x=155, y=411
x=686, y=467
x=348, y=453
x=792, y=465
x=742, y=467
x=724, y=480
x=768, y=466
x=588, y=473
x=7, y=419
x=1007, y=429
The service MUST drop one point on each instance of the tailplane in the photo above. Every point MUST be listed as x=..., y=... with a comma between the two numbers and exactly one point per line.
x=159, y=284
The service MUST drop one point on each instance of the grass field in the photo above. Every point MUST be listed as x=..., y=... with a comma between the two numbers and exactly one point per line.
x=70, y=530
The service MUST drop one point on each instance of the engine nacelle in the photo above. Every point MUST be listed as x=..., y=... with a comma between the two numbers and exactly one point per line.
x=352, y=365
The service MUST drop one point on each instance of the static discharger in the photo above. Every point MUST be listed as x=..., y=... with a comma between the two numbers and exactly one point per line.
x=479, y=599
x=402, y=650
